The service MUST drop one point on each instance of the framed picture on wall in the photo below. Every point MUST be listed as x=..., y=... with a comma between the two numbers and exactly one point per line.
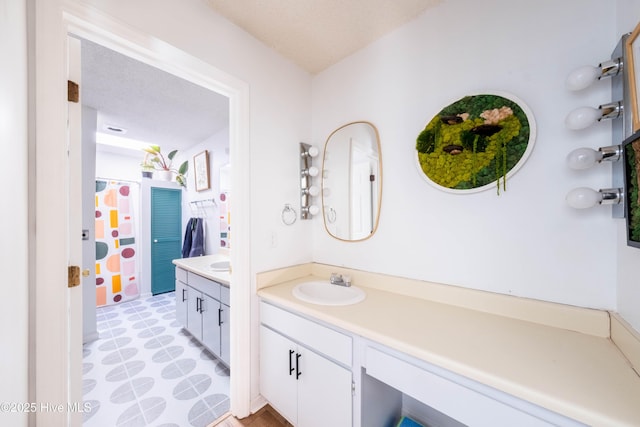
x=632, y=62
x=201, y=170
x=631, y=167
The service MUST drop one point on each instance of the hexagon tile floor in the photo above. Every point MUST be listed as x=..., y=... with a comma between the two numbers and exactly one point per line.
x=145, y=370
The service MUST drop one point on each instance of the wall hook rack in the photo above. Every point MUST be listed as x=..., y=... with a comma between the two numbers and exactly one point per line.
x=203, y=202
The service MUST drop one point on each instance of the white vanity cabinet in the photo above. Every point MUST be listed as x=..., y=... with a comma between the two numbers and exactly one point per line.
x=305, y=369
x=182, y=296
x=202, y=310
x=225, y=331
x=435, y=396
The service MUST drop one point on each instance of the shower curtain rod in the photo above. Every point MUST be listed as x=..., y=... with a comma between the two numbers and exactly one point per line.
x=117, y=179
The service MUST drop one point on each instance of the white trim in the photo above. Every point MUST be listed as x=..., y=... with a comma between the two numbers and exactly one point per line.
x=91, y=24
x=74, y=217
x=49, y=341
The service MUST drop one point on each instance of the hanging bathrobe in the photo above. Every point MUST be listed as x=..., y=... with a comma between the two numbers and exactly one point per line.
x=188, y=238
x=197, y=245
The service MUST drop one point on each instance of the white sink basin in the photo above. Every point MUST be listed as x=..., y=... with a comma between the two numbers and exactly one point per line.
x=219, y=266
x=324, y=293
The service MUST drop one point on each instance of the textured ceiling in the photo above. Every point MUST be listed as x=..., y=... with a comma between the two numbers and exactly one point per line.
x=151, y=105
x=316, y=34
x=159, y=108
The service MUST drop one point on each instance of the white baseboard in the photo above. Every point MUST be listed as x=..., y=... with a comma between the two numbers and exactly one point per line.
x=257, y=404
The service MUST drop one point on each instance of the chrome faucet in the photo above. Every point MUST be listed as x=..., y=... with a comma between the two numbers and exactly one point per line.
x=338, y=279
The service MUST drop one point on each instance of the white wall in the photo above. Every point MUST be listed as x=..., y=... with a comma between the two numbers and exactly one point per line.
x=628, y=258
x=526, y=241
x=280, y=114
x=114, y=165
x=218, y=147
x=14, y=306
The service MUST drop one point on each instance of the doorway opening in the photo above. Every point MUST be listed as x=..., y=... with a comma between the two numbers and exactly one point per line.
x=143, y=366
x=155, y=53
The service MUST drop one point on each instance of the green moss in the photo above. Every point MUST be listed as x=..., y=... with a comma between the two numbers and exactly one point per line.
x=634, y=206
x=485, y=158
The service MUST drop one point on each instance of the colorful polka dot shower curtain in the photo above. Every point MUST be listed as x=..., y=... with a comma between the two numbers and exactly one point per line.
x=116, y=251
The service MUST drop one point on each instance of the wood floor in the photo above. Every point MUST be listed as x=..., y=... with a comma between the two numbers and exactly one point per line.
x=265, y=417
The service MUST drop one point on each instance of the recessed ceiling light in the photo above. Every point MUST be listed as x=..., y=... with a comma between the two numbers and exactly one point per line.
x=115, y=129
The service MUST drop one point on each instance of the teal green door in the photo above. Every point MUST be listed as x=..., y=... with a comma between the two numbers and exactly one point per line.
x=166, y=224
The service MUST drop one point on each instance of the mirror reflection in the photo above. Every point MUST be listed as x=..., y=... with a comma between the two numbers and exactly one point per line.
x=352, y=182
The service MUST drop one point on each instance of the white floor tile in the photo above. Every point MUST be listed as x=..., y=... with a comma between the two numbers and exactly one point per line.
x=145, y=370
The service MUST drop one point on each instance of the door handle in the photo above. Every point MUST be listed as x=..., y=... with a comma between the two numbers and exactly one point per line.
x=220, y=317
x=183, y=297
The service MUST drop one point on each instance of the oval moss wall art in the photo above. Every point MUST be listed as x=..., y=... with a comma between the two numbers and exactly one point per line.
x=476, y=143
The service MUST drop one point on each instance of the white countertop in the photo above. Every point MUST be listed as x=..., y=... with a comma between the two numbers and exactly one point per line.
x=581, y=376
x=201, y=266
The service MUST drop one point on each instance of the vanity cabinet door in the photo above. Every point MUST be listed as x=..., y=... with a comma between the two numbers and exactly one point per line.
x=225, y=333
x=277, y=373
x=194, y=317
x=182, y=298
x=304, y=387
x=324, y=392
x=211, y=313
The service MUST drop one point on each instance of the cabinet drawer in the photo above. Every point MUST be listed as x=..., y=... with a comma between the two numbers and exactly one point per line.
x=204, y=285
x=445, y=395
x=331, y=343
x=225, y=296
x=181, y=275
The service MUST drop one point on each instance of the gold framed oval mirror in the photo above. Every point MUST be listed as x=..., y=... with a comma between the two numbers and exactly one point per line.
x=352, y=182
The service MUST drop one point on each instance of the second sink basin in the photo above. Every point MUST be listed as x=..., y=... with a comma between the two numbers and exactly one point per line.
x=219, y=266
x=324, y=293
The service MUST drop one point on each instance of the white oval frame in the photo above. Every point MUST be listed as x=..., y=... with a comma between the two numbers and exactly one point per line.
x=532, y=139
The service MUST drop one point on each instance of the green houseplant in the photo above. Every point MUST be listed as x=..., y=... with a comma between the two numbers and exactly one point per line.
x=154, y=160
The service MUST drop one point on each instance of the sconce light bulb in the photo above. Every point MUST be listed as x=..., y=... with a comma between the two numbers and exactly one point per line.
x=583, y=197
x=312, y=171
x=582, y=77
x=313, y=151
x=582, y=117
x=313, y=191
x=313, y=210
x=583, y=158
